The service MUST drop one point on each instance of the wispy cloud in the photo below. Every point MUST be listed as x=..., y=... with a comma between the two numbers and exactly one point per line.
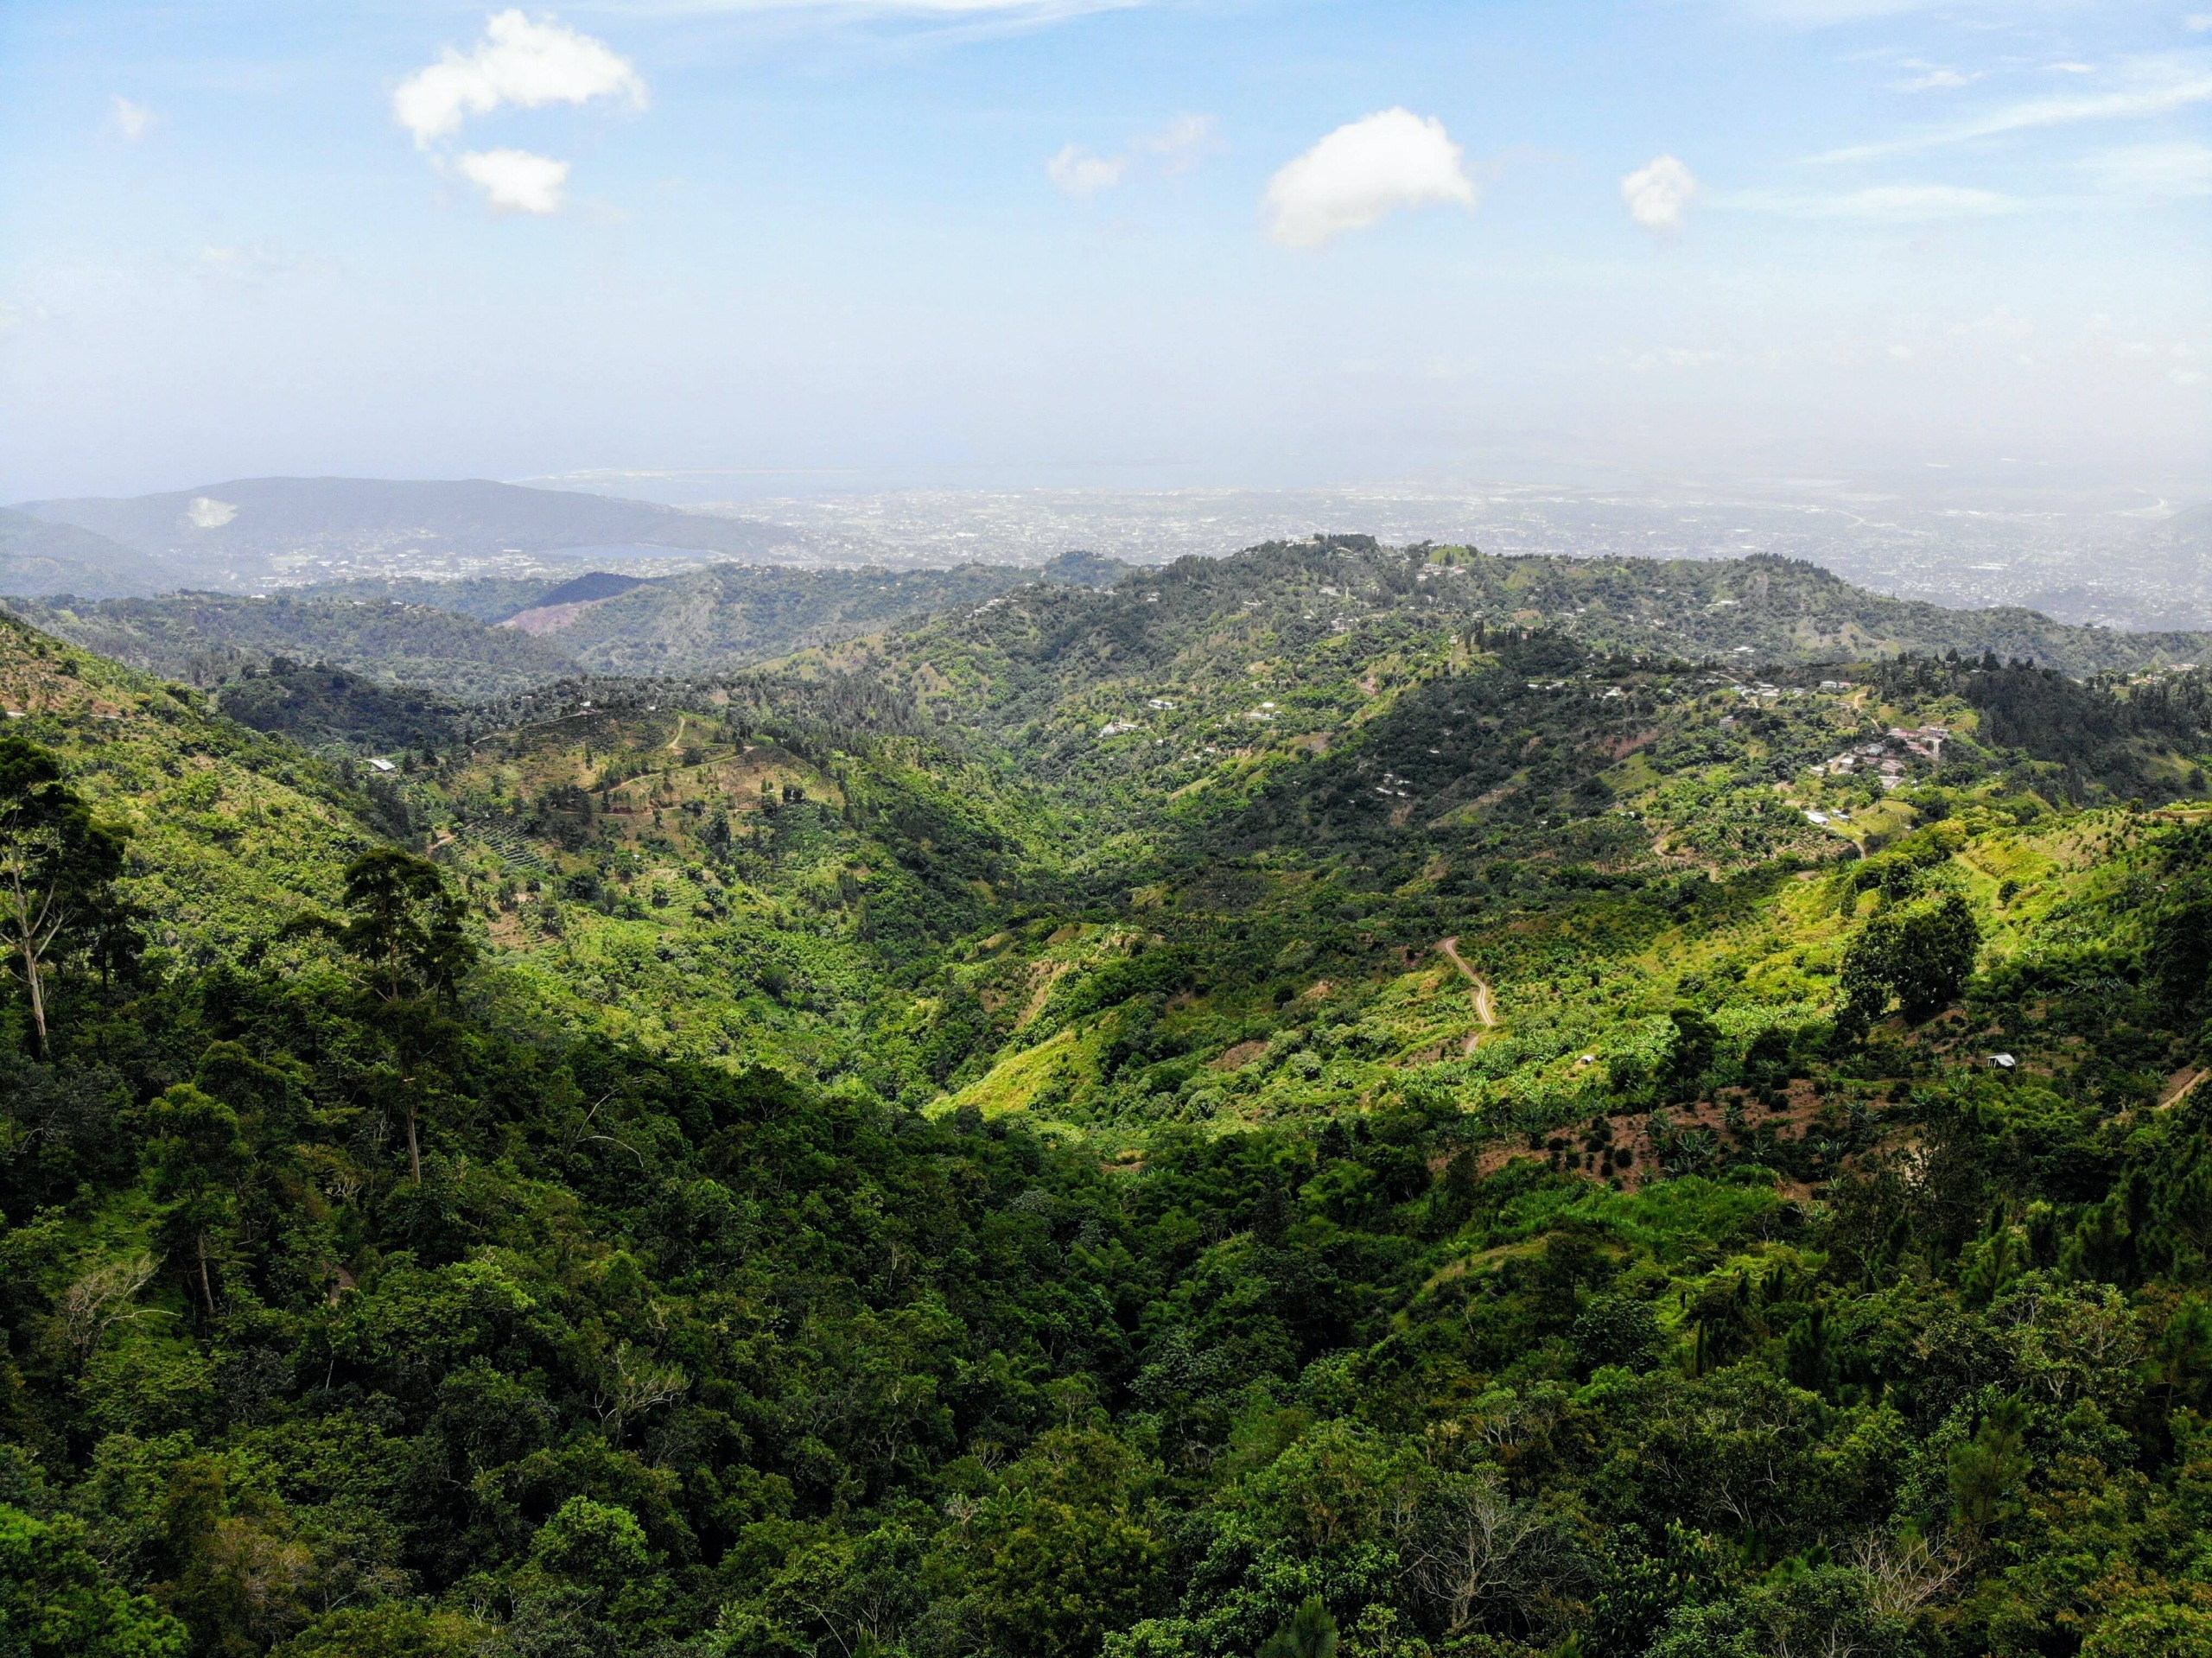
x=131, y=121
x=1886, y=204
x=1658, y=194
x=1080, y=173
x=1175, y=147
x=1933, y=79
x=2157, y=86
x=2156, y=170
x=1363, y=171
x=527, y=65
x=253, y=264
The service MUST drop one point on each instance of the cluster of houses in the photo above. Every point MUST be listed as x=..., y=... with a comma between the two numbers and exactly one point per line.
x=1759, y=691
x=1885, y=758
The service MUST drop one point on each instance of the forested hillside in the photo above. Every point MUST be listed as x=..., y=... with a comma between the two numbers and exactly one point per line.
x=479, y=638
x=1070, y=630
x=204, y=638
x=1265, y=1113
x=1337, y=595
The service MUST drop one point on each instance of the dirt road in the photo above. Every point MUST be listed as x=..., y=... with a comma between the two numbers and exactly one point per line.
x=1485, y=1003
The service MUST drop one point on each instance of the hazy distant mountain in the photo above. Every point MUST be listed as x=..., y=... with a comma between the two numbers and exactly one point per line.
x=257, y=529
x=38, y=558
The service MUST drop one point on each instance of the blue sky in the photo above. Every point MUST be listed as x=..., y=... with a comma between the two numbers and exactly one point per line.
x=1249, y=242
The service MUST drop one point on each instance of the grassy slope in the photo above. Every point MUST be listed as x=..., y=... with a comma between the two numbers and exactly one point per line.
x=681, y=877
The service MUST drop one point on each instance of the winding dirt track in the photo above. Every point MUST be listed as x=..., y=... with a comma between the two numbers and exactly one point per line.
x=1485, y=1003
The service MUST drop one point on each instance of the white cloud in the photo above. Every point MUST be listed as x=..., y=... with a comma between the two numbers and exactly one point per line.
x=2160, y=86
x=2160, y=170
x=1361, y=171
x=131, y=120
x=1892, y=204
x=517, y=62
x=1657, y=192
x=514, y=181
x=2197, y=21
x=1076, y=172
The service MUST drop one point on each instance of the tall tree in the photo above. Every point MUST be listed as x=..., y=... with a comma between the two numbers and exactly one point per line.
x=57, y=875
x=406, y=925
x=407, y=931
x=199, y=1155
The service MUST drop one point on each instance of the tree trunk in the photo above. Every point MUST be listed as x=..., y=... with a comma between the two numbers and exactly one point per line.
x=206, y=1284
x=414, y=1151
x=37, y=988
